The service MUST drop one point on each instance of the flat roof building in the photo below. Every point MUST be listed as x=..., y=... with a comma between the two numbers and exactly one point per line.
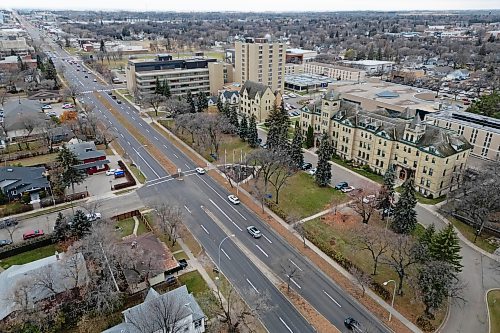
x=306, y=82
x=371, y=66
x=335, y=71
x=182, y=75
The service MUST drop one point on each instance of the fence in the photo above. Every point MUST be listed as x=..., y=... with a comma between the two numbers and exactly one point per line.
x=130, y=179
x=487, y=229
x=28, y=245
x=126, y=215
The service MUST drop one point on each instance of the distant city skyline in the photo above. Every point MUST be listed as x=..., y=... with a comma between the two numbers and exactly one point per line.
x=255, y=5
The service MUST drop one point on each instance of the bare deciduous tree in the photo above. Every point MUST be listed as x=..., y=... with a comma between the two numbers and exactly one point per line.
x=364, y=280
x=374, y=240
x=291, y=273
x=363, y=205
x=154, y=101
x=170, y=219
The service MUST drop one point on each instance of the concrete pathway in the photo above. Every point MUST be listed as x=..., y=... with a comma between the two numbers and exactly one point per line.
x=136, y=226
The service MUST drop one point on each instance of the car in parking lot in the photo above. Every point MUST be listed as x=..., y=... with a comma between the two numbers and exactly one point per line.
x=32, y=234
x=252, y=230
x=352, y=324
x=233, y=199
x=292, y=95
x=5, y=242
x=93, y=216
x=111, y=172
x=46, y=107
x=95, y=80
x=306, y=166
x=200, y=171
x=86, y=76
x=369, y=198
x=67, y=106
x=52, y=114
x=119, y=173
x=347, y=189
x=312, y=172
x=341, y=185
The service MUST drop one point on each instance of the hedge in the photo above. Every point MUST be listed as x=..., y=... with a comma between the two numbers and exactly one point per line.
x=27, y=245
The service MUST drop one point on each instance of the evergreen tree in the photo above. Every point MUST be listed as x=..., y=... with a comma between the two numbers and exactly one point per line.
x=435, y=279
x=50, y=71
x=278, y=124
x=200, y=101
x=158, y=87
x=427, y=238
x=296, y=154
x=39, y=64
x=379, y=53
x=243, y=128
x=310, y=137
x=226, y=110
x=60, y=227
x=252, y=136
x=166, y=89
x=371, y=53
x=80, y=224
x=445, y=247
x=233, y=117
x=324, y=169
x=386, y=196
x=405, y=217
x=102, y=47
x=69, y=176
x=220, y=107
x=190, y=101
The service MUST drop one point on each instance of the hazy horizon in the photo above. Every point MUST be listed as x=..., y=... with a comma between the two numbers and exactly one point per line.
x=257, y=5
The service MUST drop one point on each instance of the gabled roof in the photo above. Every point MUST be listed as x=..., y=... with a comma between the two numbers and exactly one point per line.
x=85, y=150
x=178, y=301
x=228, y=94
x=253, y=88
x=22, y=179
x=59, y=269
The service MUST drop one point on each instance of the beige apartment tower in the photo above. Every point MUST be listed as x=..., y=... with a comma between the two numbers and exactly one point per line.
x=260, y=60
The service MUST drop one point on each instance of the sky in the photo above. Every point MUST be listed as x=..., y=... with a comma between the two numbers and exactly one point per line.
x=253, y=5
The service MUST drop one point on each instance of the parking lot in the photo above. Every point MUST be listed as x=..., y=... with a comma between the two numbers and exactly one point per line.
x=99, y=183
x=57, y=108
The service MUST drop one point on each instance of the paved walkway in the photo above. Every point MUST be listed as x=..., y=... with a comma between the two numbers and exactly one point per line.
x=136, y=225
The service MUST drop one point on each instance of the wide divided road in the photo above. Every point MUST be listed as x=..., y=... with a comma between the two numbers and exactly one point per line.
x=205, y=203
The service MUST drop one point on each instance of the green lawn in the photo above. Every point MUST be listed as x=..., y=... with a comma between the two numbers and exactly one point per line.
x=365, y=173
x=163, y=237
x=302, y=197
x=137, y=173
x=428, y=201
x=194, y=282
x=35, y=160
x=181, y=255
x=469, y=233
x=127, y=226
x=141, y=229
x=29, y=256
x=15, y=207
x=494, y=309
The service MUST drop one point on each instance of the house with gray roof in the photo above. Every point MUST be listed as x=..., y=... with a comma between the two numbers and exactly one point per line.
x=91, y=159
x=20, y=114
x=173, y=311
x=28, y=285
x=230, y=97
x=14, y=181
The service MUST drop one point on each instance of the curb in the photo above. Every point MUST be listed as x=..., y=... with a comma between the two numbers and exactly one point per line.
x=487, y=307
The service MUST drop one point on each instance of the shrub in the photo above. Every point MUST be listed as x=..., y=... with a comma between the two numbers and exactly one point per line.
x=24, y=246
x=26, y=198
x=425, y=324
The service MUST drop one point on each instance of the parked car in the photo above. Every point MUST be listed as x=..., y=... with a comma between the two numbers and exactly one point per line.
x=111, y=172
x=119, y=102
x=33, y=234
x=183, y=263
x=347, y=189
x=292, y=95
x=352, y=324
x=95, y=80
x=8, y=222
x=341, y=185
x=170, y=280
x=46, y=107
x=113, y=96
x=306, y=166
x=5, y=242
x=369, y=198
x=312, y=172
x=200, y=171
x=93, y=216
x=233, y=199
x=67, y=106
x=86, y=76
x=110, y=93
x=252, y=230
x=119, y=173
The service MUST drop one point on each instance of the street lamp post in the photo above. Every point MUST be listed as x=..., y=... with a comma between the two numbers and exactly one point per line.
x=393, y=296
x=220, y=246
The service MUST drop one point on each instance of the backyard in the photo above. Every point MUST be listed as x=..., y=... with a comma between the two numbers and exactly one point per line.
x=29, y=256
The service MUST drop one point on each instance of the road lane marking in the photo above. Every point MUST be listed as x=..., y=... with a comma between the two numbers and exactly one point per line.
x=133, y=118
x=139, y=123
x=128, y=143
x=127, y=112
x=251, y=284
x=262, y=250
x=122, y=136
x=237, y=226
x=330, y=297
x=165, y=146
x=138, y=154
x=158, y=183
x=110, y=122
x=267, y=239
x=146, y=130
x=204, y=229
x=244, y=218
x=295, y=283
x=222, y=250
x=187, y=209
x=186, y=165
x=300, y=269
x=283, y=322
x=176, y=156
x=105, y=116
x=156, y=138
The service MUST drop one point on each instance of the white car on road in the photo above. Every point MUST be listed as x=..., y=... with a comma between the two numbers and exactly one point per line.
x=93, y=216
x=233, y=199
x=200, y=171
x=252, y=230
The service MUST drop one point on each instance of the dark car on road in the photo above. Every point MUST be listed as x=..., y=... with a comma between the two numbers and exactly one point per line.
x=8, y=223
x=5, y=242
x=341, y=185
x=306, y=166
x=352, y=324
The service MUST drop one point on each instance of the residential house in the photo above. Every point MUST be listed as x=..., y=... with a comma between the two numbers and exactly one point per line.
x=11, y=63
x=212, y=101
x=256, y=99
x=45, y=96
x=40, y=283
x=231, y=97
x=157, y=259
x=22, y=117
x=177, y=309
x=14, y=181
x=91, y=159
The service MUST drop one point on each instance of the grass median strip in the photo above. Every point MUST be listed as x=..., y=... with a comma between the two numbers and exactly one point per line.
x=494, y=310
x=148, y=145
